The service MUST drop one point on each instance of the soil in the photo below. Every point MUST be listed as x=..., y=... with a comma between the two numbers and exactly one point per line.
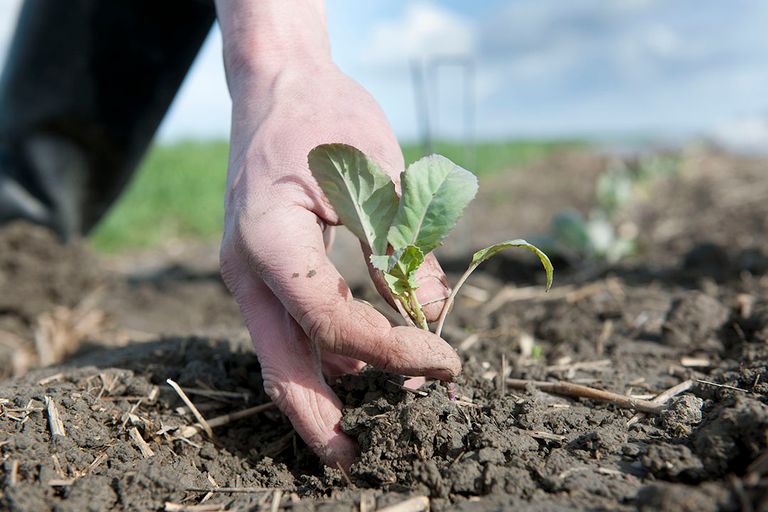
x=692, y=304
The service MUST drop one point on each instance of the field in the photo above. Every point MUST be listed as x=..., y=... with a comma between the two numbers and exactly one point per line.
x=91, y=337
x=178, y=191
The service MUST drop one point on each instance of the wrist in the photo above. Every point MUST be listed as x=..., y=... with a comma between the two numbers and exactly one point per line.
x=262, y=39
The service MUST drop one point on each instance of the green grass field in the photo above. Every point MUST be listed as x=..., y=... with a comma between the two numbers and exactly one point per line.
x=178, y=191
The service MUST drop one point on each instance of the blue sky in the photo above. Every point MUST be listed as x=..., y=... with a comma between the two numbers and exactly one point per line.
x=543, y=67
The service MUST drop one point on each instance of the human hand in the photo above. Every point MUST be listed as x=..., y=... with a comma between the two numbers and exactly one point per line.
x=301, y=315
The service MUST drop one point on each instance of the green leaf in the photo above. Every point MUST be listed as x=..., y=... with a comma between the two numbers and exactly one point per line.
x=410, y=259
x=361, y=193
x=400, y=268
x=484, y=254
x=380, y=262
x=435, y=192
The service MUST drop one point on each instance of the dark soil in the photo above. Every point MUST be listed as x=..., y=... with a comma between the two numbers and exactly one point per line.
x=692, y=305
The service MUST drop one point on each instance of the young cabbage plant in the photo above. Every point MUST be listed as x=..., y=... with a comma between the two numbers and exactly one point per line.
x=401, y=231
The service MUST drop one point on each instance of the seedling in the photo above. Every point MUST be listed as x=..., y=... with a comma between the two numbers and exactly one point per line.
x=401, y=231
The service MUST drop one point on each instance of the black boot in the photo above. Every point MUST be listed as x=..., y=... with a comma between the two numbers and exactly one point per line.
x=85, y=86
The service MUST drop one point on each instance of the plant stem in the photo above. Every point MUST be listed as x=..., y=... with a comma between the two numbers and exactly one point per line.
x=580, y=391
x=404, y=309
x=418, y=312
x=451, y=298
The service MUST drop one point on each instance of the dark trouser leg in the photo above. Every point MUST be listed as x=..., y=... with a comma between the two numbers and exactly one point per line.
x=84, y=89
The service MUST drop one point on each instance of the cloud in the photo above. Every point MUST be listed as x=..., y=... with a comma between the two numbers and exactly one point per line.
x=627, y=41
x=543, y=67
x=425, y=29
x=598, y=65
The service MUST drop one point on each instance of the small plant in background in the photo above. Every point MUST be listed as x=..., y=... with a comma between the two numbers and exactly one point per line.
x=401, y=231
x=599, y=236
x=592, y=238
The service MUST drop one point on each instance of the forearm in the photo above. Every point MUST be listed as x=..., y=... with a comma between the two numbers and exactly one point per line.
x=262, y=37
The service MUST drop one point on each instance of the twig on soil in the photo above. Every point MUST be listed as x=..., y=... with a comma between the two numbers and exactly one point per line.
x=725, y=386
x=583, y=365
x=213, y=393
x=181, y=507
x=584, y=292
x=570, y=471
x=187, y=441
x=153, y=393
x=277, y=497
x=344, y=473
x=130, y=416
x=49, y=379
x=663, y=398
x=219, y=421
x=13, y=477
x=605, y=334
x=468, y=342
x=745, y=303
x=579, y=391
x=367, y=501
x=25, y=411
x=200, y=419
x=609, y=471
x=59, y=482
x=695, y=362
x=122, y=398
x=503, y=379
x=642, y=396
x=278, y=446
x=144, y=448
x=416, y=392
x=416, y=504
x=245, y=490
x=547, y=436
x=57, y=465
x=601, y=470
x=108, y=383
x=98, y=460
x=60, y=331
x=222, y=420
x=54, y=420
x=209, y=495
x=527, y=343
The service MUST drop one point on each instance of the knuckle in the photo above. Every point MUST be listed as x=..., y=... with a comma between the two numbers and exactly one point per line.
x=324, y=327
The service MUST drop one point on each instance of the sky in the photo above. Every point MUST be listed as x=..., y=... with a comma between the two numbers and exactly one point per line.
x=542, y=68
